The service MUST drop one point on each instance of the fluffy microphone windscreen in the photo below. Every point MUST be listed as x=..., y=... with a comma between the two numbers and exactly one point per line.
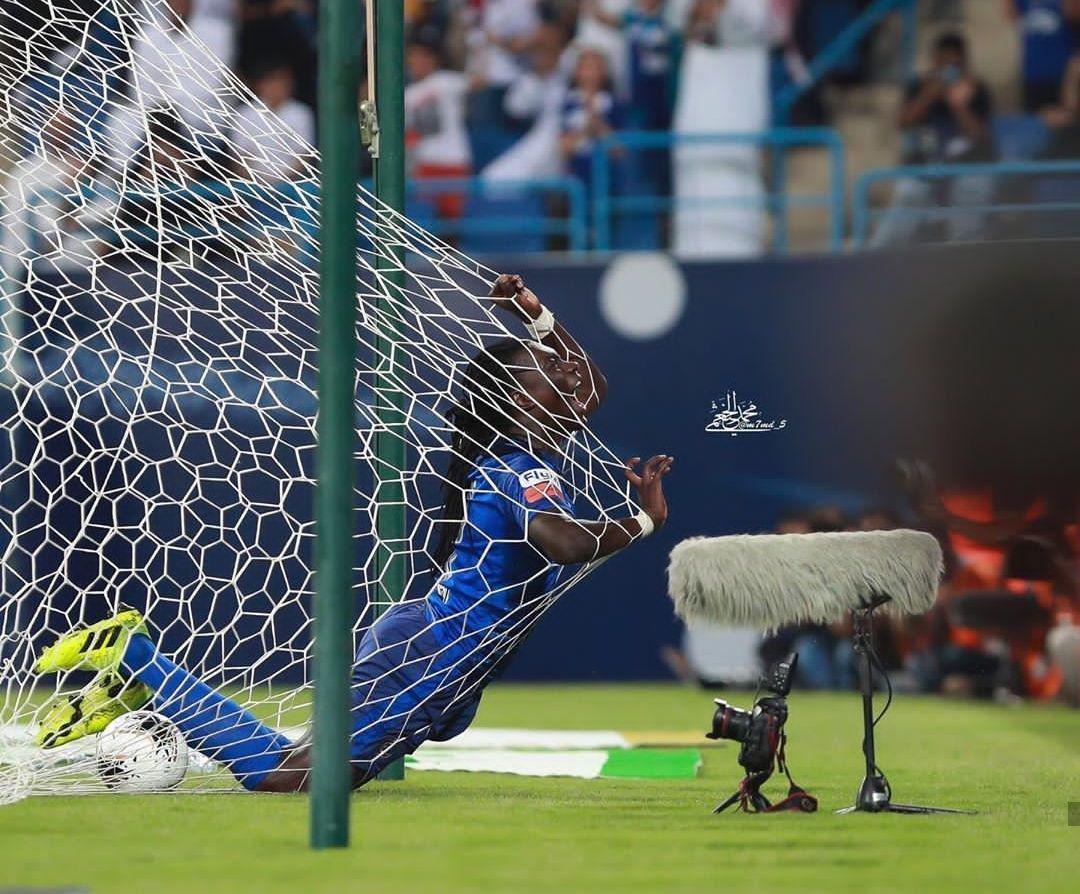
x=768, y=580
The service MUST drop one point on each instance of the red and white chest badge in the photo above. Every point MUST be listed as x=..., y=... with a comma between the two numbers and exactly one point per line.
x=539, y=484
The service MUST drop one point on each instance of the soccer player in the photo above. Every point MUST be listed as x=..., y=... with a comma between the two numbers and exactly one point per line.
x=508, y=529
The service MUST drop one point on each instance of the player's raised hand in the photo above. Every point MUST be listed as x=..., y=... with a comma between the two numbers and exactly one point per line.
x=511, y=293
x=649, y=485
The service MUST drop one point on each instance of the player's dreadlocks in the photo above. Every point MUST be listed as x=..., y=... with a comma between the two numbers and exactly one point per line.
x=479, y=418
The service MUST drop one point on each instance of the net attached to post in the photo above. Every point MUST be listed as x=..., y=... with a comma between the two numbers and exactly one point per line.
x=158, y=403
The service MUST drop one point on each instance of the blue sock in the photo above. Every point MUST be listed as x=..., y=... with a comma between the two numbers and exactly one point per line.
x=211, y=723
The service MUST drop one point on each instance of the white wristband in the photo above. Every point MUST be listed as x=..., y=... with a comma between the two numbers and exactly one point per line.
x=543, y=325
x=646, y=522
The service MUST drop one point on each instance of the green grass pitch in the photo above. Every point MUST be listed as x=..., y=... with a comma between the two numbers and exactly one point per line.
x=449, y=833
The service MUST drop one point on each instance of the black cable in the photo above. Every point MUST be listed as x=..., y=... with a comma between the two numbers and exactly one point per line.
x=876, y=664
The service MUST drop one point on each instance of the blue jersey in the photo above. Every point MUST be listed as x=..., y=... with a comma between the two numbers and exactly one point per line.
x=575, y=119
x=494, y=570
x=421, y=667
x=1047, y=40
x=651, y=45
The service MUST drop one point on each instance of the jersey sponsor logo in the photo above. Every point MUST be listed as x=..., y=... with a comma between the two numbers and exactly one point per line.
x=540, y=484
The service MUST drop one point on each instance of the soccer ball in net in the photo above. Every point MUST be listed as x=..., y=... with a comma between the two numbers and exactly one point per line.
x=141, y=752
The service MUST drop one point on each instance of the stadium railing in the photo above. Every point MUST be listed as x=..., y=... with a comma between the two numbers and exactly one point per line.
x=498, y=216
x=609, y=204
x=1041, y=192
x=844, y=43
x=504, y=215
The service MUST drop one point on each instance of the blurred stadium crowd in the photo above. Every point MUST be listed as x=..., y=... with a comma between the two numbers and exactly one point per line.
x=526, y=90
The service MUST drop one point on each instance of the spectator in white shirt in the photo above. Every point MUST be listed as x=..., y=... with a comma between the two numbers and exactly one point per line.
x=435, y=135
x=590, y=113
x=734, y=23
x=211, y=21
x=181, y=63
x=41, y=209
x=225, y=10
x=499, y=34
x=599, y=32
x=703, y=22
x=508, y=28
x=273, y=143
x=541, y=88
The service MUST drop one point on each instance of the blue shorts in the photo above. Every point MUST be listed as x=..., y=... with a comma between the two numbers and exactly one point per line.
x=406, y=689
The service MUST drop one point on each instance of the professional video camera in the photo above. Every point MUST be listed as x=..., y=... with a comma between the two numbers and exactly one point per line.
x=761, y=733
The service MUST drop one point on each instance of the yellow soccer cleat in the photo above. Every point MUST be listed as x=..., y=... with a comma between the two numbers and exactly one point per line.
x=75, y=715
x=97, y=647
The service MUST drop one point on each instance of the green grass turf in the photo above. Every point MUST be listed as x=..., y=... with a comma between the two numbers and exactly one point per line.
x=481, y=832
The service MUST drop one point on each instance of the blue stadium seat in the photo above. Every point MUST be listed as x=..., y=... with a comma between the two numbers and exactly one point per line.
x=420, y=209
x=640, y=174
x=1020, y=137
x=488, y=142
x=502, y=224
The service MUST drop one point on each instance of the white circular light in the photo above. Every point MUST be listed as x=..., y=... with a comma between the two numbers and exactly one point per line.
x=642, y=295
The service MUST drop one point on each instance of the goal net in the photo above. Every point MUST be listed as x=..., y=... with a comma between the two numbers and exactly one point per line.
x=157, y=375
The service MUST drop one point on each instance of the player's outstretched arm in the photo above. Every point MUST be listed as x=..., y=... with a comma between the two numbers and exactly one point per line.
x=511, y=294
x=567, y=541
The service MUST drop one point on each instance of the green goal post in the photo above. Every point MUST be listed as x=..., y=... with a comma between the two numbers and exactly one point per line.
x=335, y=517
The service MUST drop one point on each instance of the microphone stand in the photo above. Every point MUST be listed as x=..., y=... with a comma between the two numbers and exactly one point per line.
x=875, y=794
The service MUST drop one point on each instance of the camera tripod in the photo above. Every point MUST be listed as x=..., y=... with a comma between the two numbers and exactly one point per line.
x=875, y=794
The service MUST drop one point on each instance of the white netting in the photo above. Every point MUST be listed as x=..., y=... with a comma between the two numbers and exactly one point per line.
x=158, y=380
